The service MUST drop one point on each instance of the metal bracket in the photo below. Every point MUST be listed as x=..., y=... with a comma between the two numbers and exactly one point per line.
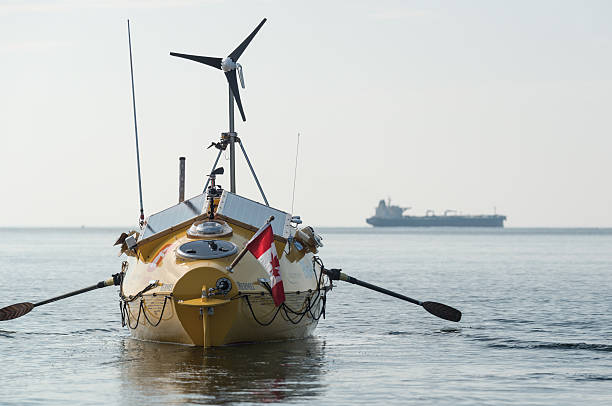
x=226, y=137
x=130, y=242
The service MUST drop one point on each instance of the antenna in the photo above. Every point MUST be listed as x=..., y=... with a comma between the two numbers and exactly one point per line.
x=297, y=149
x=229, y=65
x=142, y=216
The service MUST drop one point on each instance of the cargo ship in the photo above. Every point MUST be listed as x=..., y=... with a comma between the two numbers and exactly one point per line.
x=388, y=215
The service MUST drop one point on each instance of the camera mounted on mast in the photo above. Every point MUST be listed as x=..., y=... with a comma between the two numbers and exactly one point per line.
x=214, y=191
x=226, y=138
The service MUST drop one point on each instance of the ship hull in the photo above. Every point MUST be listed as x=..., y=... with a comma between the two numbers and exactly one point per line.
x=213, y=325
x=180, y=310
x=438, y=221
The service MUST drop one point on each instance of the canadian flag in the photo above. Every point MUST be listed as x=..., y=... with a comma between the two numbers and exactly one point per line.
x=262, y=247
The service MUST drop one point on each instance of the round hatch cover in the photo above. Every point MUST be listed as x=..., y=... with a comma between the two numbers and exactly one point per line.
x=209, y=229
x=206, y=249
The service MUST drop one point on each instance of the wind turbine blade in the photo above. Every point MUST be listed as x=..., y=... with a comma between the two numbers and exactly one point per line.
x=238, y=51
x=206, y=60
x=233, y=84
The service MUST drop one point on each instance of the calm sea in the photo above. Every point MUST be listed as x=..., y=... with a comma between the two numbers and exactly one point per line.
x=537, y=326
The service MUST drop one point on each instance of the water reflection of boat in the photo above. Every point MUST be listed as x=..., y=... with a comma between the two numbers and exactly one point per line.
x=262, y=373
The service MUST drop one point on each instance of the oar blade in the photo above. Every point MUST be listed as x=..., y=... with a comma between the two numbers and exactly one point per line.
x=16, y=310
x=442, y=311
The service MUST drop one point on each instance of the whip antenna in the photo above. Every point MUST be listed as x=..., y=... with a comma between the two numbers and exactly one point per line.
x=142, y=216
x=297, y=150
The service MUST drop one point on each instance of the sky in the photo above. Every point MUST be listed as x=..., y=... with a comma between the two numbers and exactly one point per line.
x=476, y=106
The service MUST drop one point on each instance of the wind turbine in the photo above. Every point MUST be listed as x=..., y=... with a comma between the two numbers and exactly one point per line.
x=229, y=65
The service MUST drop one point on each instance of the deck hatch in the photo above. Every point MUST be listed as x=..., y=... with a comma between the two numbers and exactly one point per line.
x=206, y=249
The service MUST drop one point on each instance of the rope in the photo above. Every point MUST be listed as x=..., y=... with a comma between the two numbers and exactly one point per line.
x=125, y=313
x=306, y=310
x=160, y=315
x=131, y=298
x=307, y=306
x=255, y=317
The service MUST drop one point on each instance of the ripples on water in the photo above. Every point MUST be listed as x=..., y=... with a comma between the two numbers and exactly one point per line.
x=536, y=329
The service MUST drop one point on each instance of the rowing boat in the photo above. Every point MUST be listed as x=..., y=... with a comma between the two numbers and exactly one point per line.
x=220, y=268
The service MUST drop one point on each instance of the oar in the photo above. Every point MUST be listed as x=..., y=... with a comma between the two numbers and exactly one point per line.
x=437, y=309
x=20, y=309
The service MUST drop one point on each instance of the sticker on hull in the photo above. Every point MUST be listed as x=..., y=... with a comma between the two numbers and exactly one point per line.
x=157, y=261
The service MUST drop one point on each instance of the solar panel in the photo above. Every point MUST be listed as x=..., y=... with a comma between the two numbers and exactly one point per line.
x=252, y=213
x=172, y=216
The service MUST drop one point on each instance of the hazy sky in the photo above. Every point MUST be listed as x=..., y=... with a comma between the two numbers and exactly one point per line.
x=465, y=105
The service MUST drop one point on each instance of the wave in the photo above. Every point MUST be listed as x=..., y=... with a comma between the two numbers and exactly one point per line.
x=94, y=330
x=537, y=345
x=592, y=377
x=7, y=334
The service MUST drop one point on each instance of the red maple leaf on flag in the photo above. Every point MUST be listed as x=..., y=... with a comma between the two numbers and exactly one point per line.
x=275, y=265
x=262, y=245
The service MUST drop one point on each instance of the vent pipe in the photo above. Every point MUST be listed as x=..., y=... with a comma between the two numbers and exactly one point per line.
x=181, y=179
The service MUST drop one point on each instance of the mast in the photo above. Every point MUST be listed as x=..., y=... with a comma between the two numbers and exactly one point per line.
x=232, y=138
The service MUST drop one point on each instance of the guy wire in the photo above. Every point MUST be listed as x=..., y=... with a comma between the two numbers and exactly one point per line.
x=297, y=150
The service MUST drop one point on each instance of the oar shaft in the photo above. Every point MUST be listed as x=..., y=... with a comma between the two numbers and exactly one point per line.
x=101, y=284
x=355, y=281
x=437, y=309
x=336, y=274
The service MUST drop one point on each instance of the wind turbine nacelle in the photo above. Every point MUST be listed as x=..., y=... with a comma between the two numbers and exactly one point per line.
x=227, y=64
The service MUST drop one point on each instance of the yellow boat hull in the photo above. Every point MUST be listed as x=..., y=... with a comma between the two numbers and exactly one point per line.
x=178, y=308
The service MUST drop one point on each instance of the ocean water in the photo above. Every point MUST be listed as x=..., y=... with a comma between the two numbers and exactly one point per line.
x=536, y=327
